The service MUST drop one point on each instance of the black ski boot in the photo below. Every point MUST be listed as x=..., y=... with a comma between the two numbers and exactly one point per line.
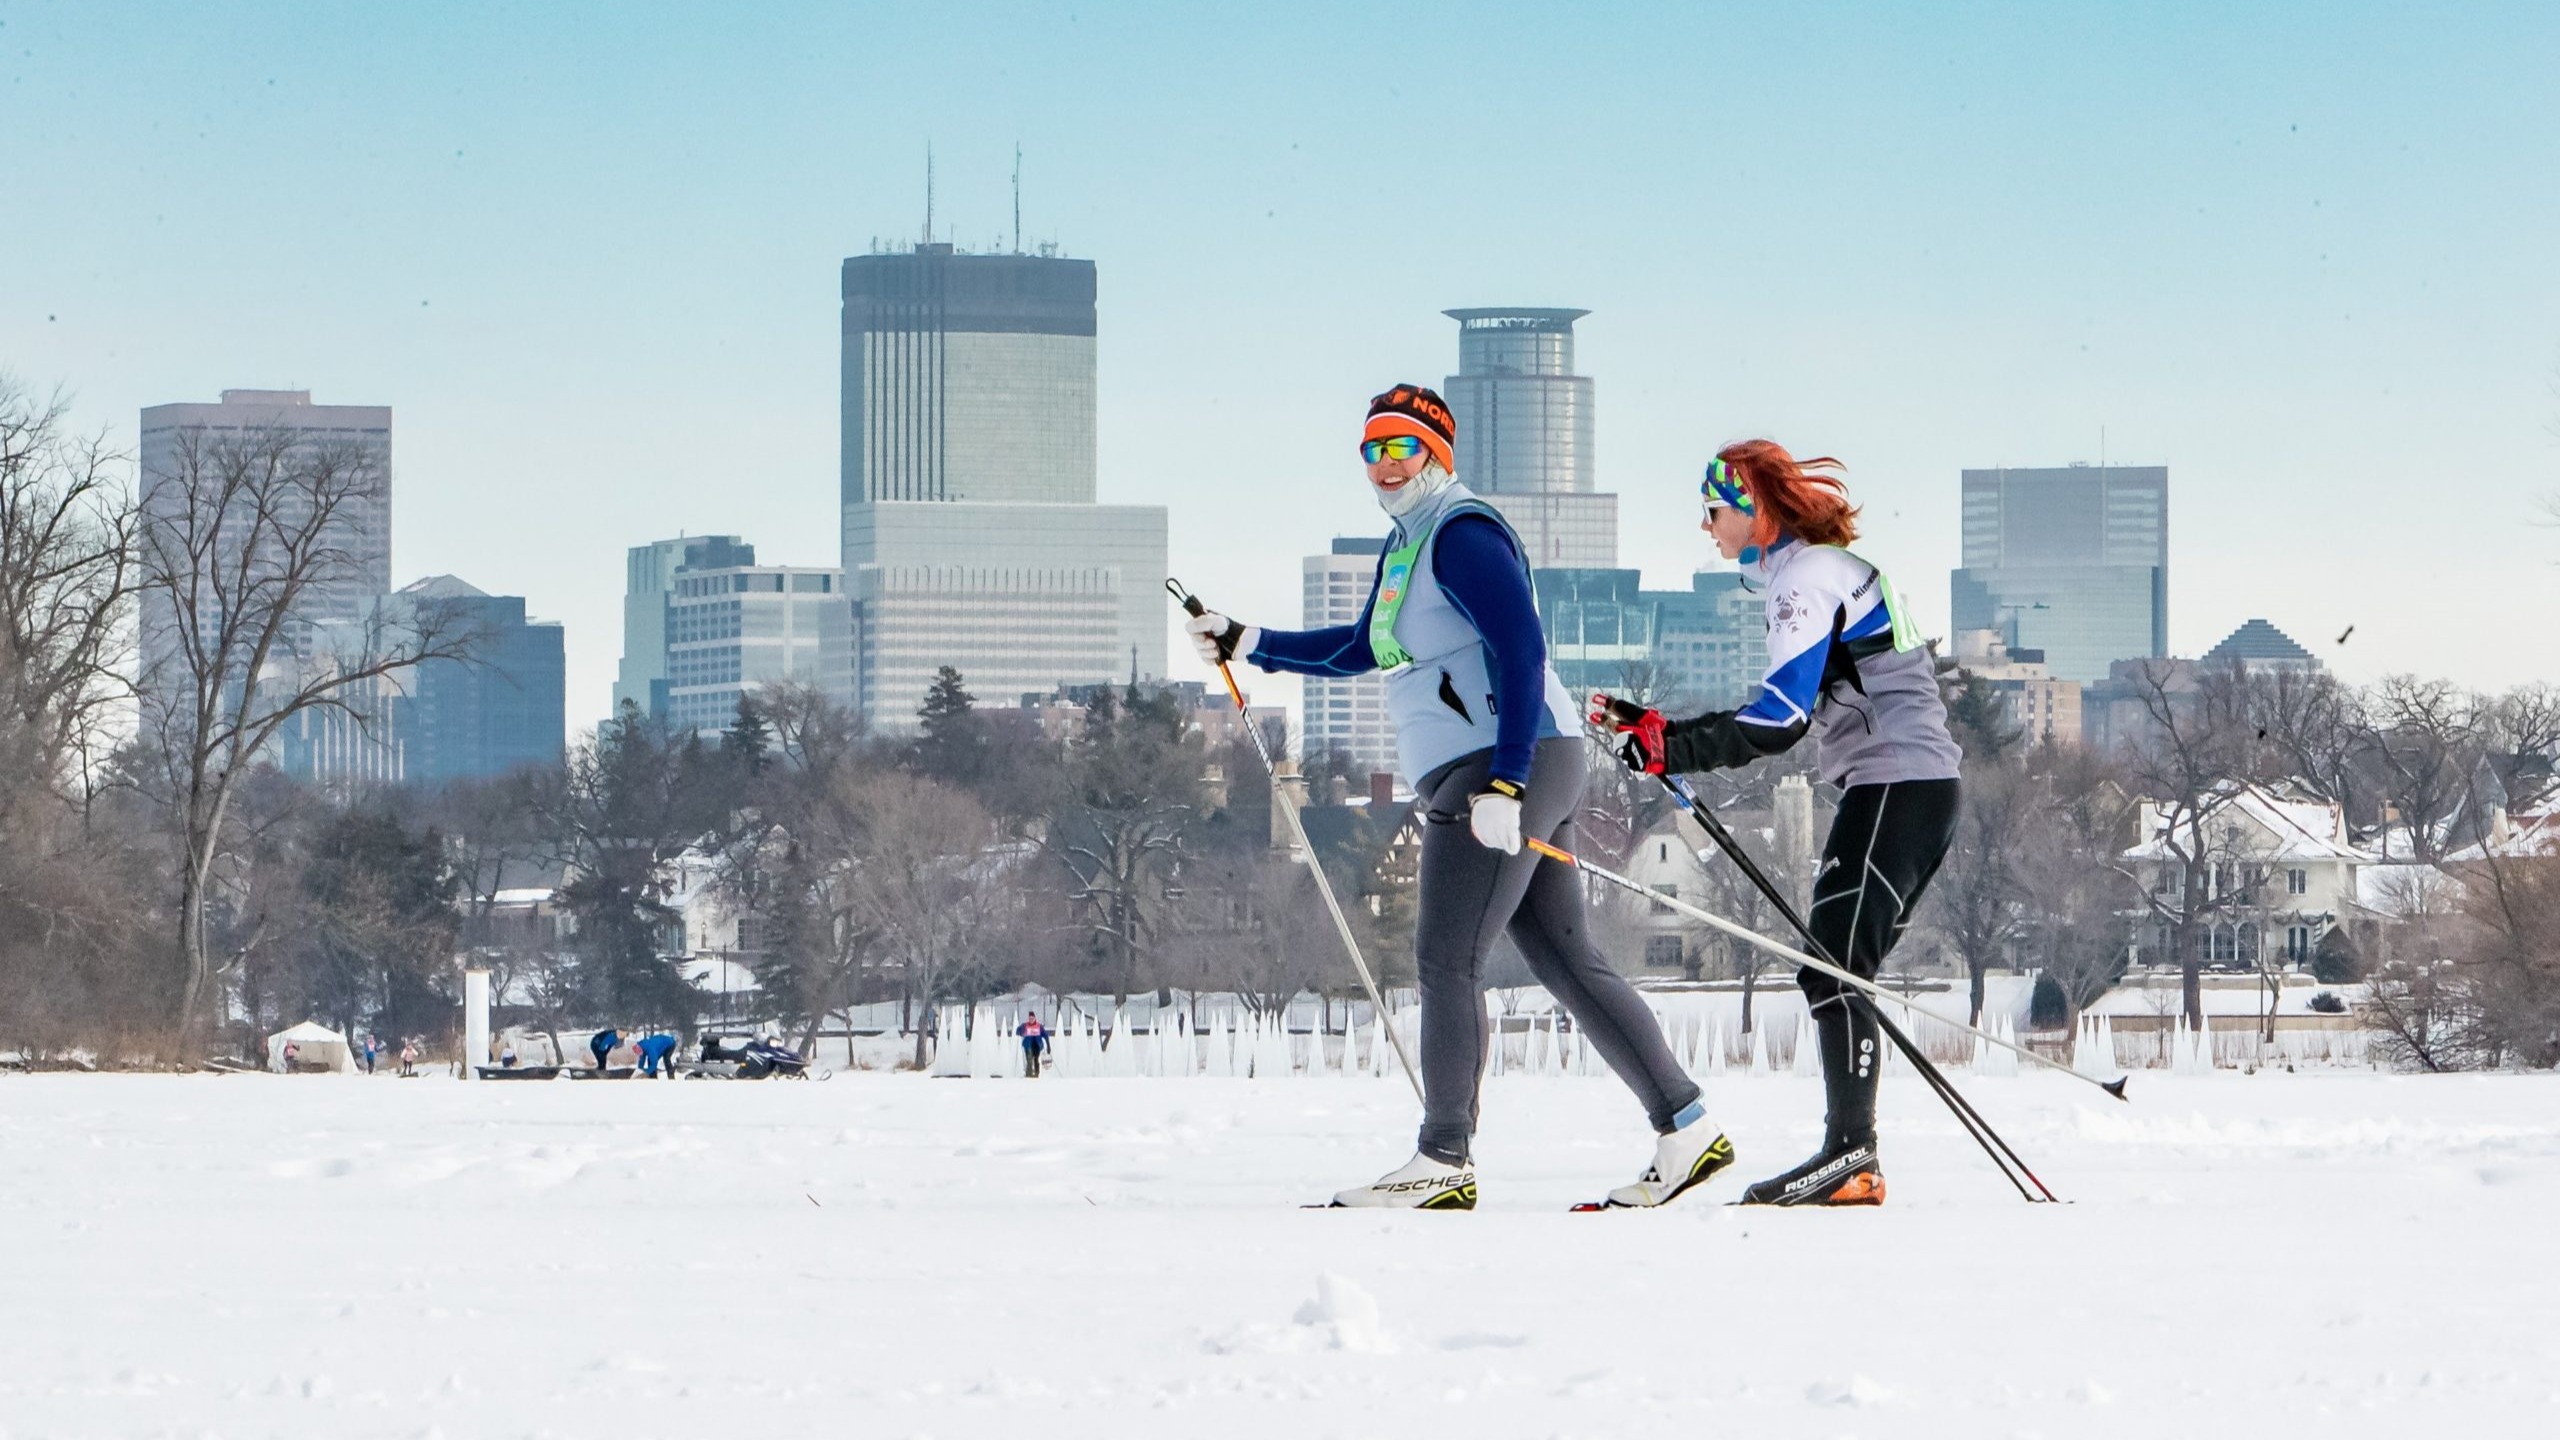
x=1845, y=1171
x=1841, y=1175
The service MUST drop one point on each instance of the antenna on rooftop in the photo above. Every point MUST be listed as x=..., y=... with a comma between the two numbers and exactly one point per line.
x=928, y=192
x=1017, y=197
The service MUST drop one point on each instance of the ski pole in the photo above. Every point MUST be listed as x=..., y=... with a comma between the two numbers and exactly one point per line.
x=1974, y=1125
x=2004, y=1157
x=1687, y=799
x=1280, y=800
x=1750, y=936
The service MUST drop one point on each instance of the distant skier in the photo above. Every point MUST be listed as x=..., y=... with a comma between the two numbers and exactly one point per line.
x=1034, y=1040
x=1846, y=665
x=656, y=1052
x=1494, y=747
x=408, y=1058
x=602, y=1045
x=372, y=1048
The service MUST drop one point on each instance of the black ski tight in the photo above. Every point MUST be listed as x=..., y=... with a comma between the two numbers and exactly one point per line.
x=1885, y=844
x=1470, y=894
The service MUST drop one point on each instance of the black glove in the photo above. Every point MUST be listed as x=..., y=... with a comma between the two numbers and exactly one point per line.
x=1641, y=731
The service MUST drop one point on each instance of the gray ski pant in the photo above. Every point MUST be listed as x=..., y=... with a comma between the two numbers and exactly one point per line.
x=1470, y=894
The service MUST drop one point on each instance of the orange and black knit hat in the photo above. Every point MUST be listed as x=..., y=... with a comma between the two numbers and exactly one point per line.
x=1418, y=411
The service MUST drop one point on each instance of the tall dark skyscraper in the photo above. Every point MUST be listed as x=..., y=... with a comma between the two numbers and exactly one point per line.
x=2073, y=561
x=503, y=710
x=971, y=533
x=968, y=377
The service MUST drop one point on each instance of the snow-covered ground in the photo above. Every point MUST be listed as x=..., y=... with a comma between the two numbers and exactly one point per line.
x=894, y=1255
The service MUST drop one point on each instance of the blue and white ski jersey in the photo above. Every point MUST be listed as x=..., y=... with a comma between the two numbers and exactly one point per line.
x=1837, y=668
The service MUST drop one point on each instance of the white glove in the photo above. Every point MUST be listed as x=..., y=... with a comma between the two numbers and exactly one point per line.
x=1495, y=819
x=1218, y=638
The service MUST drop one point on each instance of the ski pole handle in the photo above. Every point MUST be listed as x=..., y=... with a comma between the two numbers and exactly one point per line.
x=1191, y=606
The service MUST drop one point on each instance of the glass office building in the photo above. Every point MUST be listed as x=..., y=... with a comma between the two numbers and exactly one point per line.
x=969, y=484
x=2072, y=561
x=1684, y=650
x=946, y=570
x=1011, y=631
x=1525, y=434
x=444, y=720
x=1600, y=628
x=734, y=629
x=1344, y=716
x=704, y=625
x=504, y=709
x=649, y=575
x=1711, y=644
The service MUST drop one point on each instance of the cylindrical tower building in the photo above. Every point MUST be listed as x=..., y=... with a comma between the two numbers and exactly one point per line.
x=1525, y=433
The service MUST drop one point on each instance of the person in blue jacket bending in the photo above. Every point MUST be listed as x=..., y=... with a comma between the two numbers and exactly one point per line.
x=655, y=1051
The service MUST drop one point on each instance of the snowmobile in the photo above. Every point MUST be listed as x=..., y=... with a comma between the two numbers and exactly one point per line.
x=750, y=1057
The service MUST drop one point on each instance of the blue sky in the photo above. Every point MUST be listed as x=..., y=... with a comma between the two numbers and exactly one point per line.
x=2304, y=255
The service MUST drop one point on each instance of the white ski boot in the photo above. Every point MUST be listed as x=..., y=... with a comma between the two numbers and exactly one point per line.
x=1682, y=1160
x=1422, y=1184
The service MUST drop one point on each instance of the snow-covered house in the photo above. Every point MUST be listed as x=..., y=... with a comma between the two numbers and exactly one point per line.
x=2278, y=873
x=2521, y=835
x=1666, y=863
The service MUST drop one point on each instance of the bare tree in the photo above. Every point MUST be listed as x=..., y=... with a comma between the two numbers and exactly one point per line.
x=2522, y=732
x=73, y=954
x=2512, y=905
x=2192, y=764
x=1283, y=944
x=2425, y=737
x=839, y=937
x=1977, y=902
x=66, y=591
x=931, y=883
x=2315, y=729
x=241, y=542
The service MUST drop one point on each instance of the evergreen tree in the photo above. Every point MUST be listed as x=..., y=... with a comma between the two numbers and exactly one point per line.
x=1977, y=719
x=636, y=798
x=952, y=746
x=749, y=738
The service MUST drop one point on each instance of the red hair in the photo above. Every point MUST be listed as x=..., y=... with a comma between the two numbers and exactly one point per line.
x=1787, y=497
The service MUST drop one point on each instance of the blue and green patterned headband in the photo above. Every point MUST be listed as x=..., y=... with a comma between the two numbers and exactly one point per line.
x=1723, y=488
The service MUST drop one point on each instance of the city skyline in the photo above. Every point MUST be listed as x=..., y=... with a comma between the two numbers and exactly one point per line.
x=2084, y=239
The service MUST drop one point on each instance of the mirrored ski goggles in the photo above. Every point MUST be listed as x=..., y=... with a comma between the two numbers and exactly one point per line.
x=1393, y=447
x=1722, y=489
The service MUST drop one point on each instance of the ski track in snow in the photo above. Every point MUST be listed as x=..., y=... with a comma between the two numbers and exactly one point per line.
x=2345, y=1254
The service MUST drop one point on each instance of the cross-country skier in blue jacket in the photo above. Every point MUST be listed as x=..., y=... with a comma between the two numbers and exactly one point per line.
x=1493, y=746
x=1035, y=1039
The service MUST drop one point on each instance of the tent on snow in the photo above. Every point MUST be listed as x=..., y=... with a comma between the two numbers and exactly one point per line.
x=316, y=1044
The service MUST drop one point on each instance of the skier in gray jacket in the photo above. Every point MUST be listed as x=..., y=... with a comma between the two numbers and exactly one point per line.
x=1493, y=745
x=1846, y=666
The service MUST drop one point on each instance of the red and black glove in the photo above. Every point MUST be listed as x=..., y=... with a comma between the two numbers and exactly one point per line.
x=1641, y=730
